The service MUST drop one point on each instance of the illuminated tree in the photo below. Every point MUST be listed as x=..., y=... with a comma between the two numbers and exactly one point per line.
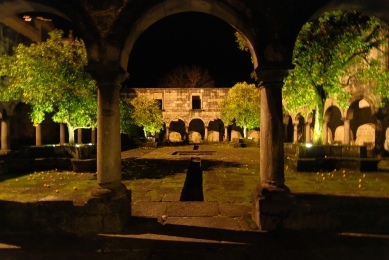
x=187, y=77
x=147, y=114
x=50, y=77
x=242, y=105
x=331, y=53
x=127, y=124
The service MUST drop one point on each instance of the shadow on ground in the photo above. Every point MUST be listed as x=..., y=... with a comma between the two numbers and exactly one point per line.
x=145, y=238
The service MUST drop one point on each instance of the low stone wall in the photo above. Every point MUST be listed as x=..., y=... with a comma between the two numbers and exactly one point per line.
x=97, y=215
x=339, y=214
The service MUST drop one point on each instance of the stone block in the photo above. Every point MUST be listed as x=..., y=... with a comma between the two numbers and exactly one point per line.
x=270, y=207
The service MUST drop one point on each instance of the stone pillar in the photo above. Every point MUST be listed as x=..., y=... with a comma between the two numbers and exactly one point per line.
x=93, y=135
x=295, y=132
x=325, y=132
x=307, y=132
x=167, y=133
x=226, y=133
x=346, y=137
x=108, y=137
x=187, y=134
x=109, y=186
x=38, y=135
x=205, y=133
x=271, y=200
x=61, y=133
x=5, y=132
x=79, y=135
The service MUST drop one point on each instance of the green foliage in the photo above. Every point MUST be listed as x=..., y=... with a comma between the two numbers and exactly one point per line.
x=331, y=53
x=242, y=105
x=127, y=124
x=147, y=114
x=50, y=77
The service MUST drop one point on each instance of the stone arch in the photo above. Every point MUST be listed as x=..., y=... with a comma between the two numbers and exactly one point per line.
x=216, y=130
x=170, y=7
x=177, y=130
x=333, y=116
x=196, y=130
x=365, y=135
x=20, y=6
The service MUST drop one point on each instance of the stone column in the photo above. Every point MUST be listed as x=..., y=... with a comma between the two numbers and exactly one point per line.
x=5, y=131
x=271, y=200
x=205, y=133
x=167, y=133
x=295, y=132
x=226, y=133
x=93, y=135
x=79, y=135
x=110, y=205
x=346, y=137
x=38, y=135
x=307, y=132
x=61, y=133
x=108, y=137
x=325, y=132
x=187, y=134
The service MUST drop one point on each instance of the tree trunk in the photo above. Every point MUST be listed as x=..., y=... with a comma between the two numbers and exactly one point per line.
x=245, y=132
x=71, y=134
x=318, y=130
x=144, y=131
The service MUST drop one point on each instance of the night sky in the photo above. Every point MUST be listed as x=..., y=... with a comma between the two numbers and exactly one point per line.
x=185, y=39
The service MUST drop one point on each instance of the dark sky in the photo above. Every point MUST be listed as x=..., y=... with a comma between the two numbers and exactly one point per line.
x=185, y=39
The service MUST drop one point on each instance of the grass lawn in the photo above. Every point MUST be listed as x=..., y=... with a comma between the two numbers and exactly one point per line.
x=228, y=176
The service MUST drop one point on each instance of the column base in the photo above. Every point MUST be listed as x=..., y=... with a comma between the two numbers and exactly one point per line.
x=111, y=205
x=270, y=206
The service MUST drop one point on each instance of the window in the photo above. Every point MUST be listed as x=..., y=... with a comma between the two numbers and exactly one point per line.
x=196, y=102
x=158, y=97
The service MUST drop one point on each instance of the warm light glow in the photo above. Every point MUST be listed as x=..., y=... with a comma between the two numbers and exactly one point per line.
x=27, y=18
x=90, y=144
x=53, y=145
x=308, y=145
x=77, y=145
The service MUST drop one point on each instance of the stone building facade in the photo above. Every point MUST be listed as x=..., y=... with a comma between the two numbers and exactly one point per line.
x=191, y=114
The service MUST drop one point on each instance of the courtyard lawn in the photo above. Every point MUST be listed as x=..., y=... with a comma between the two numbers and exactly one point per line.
x=229, y=176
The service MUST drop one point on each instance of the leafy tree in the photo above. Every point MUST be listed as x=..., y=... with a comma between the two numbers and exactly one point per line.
x=331, y=53
x=242, y=105
x=127, y=124
x=50, y=77
x=147, y=114
x=187, y=77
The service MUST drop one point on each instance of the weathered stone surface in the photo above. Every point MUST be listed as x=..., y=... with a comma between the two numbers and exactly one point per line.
x=193, y=209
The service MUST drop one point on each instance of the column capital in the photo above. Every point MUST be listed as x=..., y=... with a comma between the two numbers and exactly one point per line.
x=107, y=75
x=271, y=76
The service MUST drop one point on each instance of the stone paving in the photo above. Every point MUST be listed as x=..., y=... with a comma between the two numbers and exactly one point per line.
x=162, y=227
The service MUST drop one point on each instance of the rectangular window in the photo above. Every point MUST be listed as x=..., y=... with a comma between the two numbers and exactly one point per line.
x=158, y=97
x=196, y=102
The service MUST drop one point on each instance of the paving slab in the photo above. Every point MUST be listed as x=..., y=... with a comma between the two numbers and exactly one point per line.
x=229, y=210
x=207, y=222
x=149, y=209
x=192, y=209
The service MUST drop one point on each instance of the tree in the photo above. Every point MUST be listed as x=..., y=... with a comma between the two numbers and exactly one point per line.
x=242, y=105
x=127, y=124
x=187, y=77
x=147, y=114
x=331, y=53
x=50, y=77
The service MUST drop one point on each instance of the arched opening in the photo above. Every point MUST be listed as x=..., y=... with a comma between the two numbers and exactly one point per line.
x=334, y=118
x=215, y=131
x=196, y=131
x=177, y=131
x=363, y=123
x=186, y=39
